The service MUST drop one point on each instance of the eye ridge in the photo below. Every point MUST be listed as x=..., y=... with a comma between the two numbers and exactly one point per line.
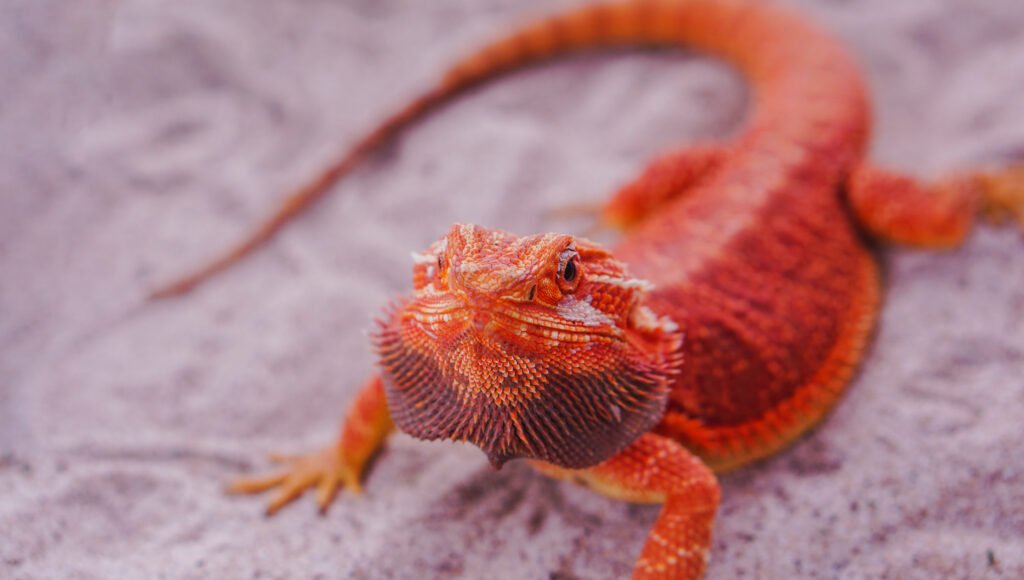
x=568, y=270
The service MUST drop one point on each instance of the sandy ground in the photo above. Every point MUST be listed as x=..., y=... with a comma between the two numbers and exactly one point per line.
x=138, y=136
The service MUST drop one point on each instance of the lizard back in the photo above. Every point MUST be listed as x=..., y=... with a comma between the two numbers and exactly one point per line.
x=760, y=263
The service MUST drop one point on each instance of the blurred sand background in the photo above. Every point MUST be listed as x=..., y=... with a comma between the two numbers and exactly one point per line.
x=138, y=136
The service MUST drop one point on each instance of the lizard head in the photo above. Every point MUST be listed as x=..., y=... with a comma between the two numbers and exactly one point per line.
x=537, y=347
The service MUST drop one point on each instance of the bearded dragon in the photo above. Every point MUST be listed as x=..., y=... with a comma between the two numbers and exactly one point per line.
x=724, y=324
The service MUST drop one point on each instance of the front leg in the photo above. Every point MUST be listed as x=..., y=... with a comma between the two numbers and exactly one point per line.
x=657, y=469
x=366, y=426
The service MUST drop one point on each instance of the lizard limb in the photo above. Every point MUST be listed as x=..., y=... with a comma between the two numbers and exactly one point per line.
x=1002, y=194
x=902, y=209
x=364, y=430
x=665, y=179
x=657, y=469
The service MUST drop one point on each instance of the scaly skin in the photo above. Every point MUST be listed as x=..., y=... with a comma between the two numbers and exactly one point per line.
x=726, y=322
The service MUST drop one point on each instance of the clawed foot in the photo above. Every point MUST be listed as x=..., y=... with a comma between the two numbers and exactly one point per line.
x=1003, y=195
x=327, y=470
x=586, y=211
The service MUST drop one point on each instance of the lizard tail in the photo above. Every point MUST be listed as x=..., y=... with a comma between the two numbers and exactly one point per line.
x=760, y=40
x=303, y=197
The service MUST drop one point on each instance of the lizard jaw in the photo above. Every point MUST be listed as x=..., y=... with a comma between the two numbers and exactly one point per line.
x=512, y=405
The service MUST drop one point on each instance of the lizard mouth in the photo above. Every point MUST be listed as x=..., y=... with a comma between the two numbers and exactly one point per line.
x=515, y=385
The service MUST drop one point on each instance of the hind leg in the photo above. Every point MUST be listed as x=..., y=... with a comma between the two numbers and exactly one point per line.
x=666, y=178
x=901, y=209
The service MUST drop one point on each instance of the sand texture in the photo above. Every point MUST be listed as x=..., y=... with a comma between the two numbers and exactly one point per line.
x=139, y=136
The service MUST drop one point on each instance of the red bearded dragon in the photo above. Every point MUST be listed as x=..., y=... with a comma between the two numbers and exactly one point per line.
x=724, y=324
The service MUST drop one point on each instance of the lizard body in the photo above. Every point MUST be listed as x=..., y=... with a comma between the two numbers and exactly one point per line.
x=725, y=323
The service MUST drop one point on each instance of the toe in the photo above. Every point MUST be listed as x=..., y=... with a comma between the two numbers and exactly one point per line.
x=283, y=458
x=327, y=489
x=291, y=489
x=256, y=484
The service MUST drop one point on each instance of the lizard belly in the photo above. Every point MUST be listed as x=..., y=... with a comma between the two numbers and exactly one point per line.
x=776, y=315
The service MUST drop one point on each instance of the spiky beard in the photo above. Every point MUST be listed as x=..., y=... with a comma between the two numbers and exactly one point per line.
x=573, y=405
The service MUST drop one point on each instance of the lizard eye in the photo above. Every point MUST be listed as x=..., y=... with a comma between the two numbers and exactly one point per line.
x=440, y=263
x=568, y=270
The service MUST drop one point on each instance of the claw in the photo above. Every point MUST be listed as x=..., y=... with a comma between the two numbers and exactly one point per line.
x=282, y=458
x=292, y=488
x=256, y=484
x=326, y=491
x=1003, y=195
x=589, y=211
x=575, y=210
